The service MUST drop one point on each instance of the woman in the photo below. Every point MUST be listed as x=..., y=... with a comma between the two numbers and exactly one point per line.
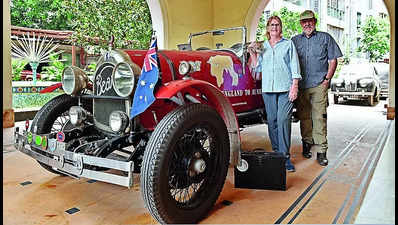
x=279, y=65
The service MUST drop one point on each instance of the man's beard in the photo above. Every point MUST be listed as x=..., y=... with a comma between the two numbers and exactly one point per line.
x=308, y=30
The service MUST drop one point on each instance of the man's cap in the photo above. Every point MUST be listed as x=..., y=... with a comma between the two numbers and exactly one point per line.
x=307, y=14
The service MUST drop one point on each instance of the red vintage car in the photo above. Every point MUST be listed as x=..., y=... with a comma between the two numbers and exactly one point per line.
x=182, y=143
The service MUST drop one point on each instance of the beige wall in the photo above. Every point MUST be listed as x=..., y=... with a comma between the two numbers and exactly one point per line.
x=182, y=17
x=391, y=11
x=8, y=113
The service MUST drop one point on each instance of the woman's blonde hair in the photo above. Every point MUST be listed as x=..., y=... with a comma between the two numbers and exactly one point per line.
x=269, y=24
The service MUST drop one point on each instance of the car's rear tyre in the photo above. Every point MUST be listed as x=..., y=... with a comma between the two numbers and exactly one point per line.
x=185, y=164
x=53, y=117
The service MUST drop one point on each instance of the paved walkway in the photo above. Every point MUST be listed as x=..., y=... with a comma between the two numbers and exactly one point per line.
x=314, y=195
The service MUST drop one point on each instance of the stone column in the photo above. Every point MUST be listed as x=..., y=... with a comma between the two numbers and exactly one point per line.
x=8, y=112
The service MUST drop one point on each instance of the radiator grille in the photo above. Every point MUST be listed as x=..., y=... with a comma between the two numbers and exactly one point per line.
x=103, y=87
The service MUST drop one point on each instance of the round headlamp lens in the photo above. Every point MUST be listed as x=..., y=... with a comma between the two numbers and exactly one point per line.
x=364, y=82
x=118, y=121
x=115, y=121
x=123, y=79
x=76, y=115
x=68, y=80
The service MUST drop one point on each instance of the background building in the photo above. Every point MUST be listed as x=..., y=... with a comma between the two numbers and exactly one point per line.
x=340, y=18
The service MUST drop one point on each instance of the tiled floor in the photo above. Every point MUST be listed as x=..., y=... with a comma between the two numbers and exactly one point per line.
x=314, y=195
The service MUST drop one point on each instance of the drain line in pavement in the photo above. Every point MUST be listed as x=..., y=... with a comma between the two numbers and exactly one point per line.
x=364, y=166
x=345, y=152
x=367, y=176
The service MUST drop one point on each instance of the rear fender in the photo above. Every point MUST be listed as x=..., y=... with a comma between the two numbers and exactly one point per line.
x=198, y=91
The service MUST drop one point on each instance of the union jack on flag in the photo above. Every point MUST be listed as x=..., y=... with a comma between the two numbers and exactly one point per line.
x=150, y=58
x=143, y=96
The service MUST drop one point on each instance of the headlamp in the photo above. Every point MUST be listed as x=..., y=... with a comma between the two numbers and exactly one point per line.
x=77, y=115
x=123, y=79
x=74, y=80
x=365, y=82
x=118, y=121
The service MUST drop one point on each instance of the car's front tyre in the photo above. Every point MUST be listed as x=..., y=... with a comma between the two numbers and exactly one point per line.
x=54, y=117
x=185, y=164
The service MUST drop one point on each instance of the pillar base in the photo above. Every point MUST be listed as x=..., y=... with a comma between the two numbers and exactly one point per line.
x=8, y=118
x=390, y=113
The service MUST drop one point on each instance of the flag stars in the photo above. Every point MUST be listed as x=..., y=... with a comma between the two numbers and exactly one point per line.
x=143, y=83
x=152, y=85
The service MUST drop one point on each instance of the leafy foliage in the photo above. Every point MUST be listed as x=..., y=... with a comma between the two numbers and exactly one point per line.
x=290, y=24
x=129, y=21
x=17, y=65
x=375, y=39
x=91, y=68
x=53, y=72
x=41, y=14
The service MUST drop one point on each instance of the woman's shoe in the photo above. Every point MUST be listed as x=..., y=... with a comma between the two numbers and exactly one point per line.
x=289, y=166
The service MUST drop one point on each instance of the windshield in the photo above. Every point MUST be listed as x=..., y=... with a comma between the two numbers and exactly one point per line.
x=218, y=37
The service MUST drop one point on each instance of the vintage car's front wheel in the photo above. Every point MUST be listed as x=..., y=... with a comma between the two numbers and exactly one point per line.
x=54, y=117
x=185, y=164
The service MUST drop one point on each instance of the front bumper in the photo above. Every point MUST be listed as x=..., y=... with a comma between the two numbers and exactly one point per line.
x=73, y=164
x=353, y=95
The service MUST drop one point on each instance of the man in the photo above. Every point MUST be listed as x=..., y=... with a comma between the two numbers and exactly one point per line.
x=318, y=53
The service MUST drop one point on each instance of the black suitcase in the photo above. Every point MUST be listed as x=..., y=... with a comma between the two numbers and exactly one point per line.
x=266, y=170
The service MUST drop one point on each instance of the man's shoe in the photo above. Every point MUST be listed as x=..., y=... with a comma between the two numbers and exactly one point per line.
x=307, y=150
x=321, y=158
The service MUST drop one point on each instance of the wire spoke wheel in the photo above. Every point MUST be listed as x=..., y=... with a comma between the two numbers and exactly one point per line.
x=54, y=117
x=185, y=164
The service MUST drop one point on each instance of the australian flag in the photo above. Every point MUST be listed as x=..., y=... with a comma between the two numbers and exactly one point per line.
x=143, y=96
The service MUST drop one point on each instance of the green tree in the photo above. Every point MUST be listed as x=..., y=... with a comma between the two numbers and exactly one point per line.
x=53, y=72
x=290, y=24
x=375, y=37
x=41, y=14
x=17, y=65
x=129, y=21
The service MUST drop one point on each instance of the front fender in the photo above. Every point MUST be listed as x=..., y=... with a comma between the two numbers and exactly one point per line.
x=215, y=98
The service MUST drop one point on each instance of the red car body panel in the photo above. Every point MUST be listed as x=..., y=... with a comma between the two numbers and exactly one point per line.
x=221, y=68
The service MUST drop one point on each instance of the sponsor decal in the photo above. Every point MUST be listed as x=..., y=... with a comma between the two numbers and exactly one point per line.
x=60, y=136
x=38, y=140
x=30, y=137
x=44, y=143
x=52, y=144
